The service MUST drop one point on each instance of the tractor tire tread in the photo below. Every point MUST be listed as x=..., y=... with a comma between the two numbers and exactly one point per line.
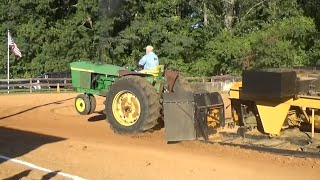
x=93, y=103
x=87, y=104
x=152, y=102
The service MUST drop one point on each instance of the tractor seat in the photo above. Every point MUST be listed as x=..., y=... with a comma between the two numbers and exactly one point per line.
x=156, y=72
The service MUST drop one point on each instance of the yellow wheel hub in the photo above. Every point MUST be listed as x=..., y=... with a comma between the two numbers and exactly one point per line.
x=126, y=108
x=80, y=105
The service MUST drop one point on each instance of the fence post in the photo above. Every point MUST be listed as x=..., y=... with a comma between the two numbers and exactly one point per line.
x=30, y=87
x=58, y=87
x=65, y=83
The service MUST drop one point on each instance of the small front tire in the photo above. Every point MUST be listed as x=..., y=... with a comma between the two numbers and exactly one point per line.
x=82, y=104
x=93, y=103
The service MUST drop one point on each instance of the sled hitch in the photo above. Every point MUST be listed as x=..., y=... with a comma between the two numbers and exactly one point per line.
x=186, y=114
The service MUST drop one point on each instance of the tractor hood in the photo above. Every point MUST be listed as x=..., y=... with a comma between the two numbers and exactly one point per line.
x=99, y=68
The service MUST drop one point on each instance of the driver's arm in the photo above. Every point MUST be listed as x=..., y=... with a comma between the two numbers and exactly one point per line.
x=143, y=60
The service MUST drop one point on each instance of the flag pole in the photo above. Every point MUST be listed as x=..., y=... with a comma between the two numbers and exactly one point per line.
x=8, y=65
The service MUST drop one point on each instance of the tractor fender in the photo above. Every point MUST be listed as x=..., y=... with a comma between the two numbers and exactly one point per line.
x=171, y=77
x=134, y=73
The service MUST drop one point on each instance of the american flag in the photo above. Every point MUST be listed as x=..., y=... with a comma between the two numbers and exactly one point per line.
x=13, y=46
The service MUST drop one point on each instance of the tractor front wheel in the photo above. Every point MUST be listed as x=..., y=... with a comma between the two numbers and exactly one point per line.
x=85, y=104
x=132, y=105
x=93, y=103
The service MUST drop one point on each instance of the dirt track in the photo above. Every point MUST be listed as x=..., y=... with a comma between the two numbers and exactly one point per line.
x=45, y=130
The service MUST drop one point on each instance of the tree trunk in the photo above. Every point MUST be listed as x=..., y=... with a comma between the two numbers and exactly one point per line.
x=205, y=14
x=229, y=13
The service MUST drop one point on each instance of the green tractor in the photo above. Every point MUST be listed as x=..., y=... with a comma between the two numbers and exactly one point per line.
x=137, y=100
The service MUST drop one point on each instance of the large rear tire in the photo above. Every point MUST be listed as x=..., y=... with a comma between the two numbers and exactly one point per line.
x=132, y=105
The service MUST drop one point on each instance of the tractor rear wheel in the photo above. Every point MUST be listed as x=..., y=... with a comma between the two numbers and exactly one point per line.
x=132, y=105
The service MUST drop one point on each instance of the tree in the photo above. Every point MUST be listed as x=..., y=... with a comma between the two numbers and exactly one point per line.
x=197, y=37
x=50, y=33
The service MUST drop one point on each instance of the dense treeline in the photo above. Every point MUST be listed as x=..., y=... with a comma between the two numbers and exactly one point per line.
x=198, y=37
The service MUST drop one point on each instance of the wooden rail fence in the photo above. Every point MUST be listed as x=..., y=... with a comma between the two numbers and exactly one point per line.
x=55, y=84
x=214, y=78
x=35, y=84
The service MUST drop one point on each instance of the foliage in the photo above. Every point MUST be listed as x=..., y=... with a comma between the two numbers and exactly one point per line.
x=197, y=37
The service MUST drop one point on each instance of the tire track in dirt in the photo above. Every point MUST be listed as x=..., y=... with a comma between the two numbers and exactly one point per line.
x=88, y=147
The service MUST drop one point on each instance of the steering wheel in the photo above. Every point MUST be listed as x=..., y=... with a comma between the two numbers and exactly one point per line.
x=139, y=68
x=127, y=66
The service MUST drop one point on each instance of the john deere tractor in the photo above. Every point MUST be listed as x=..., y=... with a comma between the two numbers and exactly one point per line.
x=266, y=106
x=135, y=100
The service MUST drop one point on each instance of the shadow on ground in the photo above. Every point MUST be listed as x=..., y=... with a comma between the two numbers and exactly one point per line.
x=30, y=109
x=100, y=116
x=50, y=175
x=25, y=174
x=15, y=143
x=19, y=175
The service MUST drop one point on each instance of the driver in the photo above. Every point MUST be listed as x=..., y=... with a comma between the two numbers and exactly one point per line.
x=150, y=60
